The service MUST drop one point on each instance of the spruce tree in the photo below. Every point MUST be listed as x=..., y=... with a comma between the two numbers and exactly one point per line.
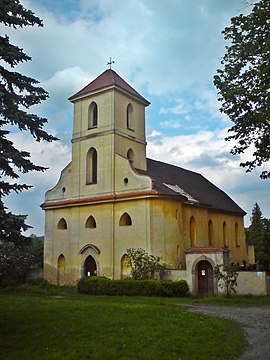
x=17, y=94
x=256, y=233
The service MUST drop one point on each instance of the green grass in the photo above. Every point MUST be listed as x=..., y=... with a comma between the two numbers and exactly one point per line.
x=233, y=300
x=86, y=327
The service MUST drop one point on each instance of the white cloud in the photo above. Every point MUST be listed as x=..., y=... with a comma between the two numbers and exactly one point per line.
x=54, y=156
x=66, y=82
x=155, y=43
x=207, y=153
x=178, y=109
x=170, y=124
x=207, y=101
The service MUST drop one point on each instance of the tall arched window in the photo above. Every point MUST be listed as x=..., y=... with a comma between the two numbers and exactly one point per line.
x=192, y=229
x=130, y=155
x=210, y=232
x=61, y=270
x=236, y=234
x=91, y=223
x=61, y=263
x=91, y=166
x=125, y=220
x=224, y=234
x=92, y=115
x=62, y=224
x=130, y=124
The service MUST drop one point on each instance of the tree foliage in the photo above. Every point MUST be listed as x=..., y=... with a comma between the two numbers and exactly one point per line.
x=142, y=264
x=15, y=263
x=259, y=233
x=243, y=85
x=17, y=94
x=256, y=232
x=226, y=277
x=266, y=239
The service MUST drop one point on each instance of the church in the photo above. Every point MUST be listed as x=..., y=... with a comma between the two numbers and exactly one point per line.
x=111, y=197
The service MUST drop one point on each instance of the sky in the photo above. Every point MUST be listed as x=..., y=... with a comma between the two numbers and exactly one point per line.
x=169, y=51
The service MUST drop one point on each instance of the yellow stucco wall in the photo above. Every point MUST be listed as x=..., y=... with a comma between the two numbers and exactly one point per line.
x=160, y=226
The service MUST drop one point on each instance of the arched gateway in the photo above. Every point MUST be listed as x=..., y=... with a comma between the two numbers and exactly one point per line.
x=90, y=266
x=205, y=278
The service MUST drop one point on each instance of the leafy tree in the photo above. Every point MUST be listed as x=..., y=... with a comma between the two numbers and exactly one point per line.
x=37, y=249
x=17, y=94
x=15, y=263
x=243, y=84
x=256, y=232
x=226, y=277
x=142, y=264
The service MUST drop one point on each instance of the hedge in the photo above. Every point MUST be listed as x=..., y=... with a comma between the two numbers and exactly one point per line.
x=105, y=286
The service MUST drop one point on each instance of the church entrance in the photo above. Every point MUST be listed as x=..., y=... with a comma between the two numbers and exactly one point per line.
x=205, y=278
x=90, y=266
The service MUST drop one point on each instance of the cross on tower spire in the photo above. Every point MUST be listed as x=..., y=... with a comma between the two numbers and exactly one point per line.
x=110, y=62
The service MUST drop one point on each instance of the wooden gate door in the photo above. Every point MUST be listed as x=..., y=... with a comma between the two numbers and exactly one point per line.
x=205, y=278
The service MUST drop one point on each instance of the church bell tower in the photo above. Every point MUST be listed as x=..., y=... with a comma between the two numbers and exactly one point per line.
x=109, y=119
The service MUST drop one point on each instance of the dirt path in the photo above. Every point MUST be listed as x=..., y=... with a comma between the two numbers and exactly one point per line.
x=255, y=320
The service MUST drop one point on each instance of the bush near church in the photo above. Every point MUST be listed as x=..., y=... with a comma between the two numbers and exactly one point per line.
x=105, y=286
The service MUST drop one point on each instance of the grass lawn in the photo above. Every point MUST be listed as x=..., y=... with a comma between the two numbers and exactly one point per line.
x=233, y=300
x=86, y=327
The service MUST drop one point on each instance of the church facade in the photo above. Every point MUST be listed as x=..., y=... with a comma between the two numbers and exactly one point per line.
x=110, y=197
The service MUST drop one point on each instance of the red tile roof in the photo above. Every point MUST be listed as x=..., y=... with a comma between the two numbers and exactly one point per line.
x=107, y=79
x=205, y=249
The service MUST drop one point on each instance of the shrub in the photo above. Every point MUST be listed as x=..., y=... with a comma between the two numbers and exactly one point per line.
x=101, y=286
x=142, y=264
x=226, y=277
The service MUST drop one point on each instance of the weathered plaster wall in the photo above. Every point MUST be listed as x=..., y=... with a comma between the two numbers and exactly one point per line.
x=250, y=282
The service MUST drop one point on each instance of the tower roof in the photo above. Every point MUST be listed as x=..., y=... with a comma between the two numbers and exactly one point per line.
x=109, y=78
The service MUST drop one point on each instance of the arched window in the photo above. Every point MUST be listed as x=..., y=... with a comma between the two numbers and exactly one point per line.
x=91, y=223
x=61, y=263
x=130, y=155
x=192, y=229
x=62, y=224
x=61, y=270
x=130, y=124
x=92, y=115
x=236, y=234
x=210, y=232
x=91, y=166
x=224, y=234
x=125, y=220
